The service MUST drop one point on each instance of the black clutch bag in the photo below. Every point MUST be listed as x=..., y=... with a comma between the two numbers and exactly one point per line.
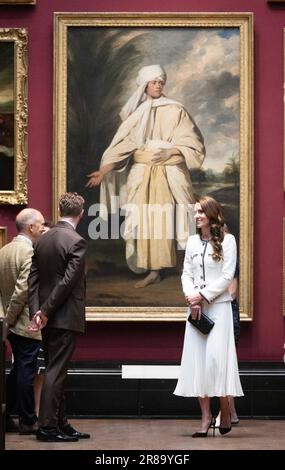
x=204, y=325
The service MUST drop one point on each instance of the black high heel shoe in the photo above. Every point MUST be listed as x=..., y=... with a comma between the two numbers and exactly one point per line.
x=224, y=430
x=205, y=434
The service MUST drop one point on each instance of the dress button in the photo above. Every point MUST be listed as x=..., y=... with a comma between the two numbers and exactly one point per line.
x=201, y=277
x=201, y=265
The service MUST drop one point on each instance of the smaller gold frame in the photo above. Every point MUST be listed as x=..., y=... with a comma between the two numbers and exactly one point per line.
x=18, y=195
x=283, y=284
x=284, y=114
x=3, y=236
x=18, y=2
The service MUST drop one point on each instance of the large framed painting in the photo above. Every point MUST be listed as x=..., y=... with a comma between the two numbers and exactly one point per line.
x=201, y=68
x=13, y=116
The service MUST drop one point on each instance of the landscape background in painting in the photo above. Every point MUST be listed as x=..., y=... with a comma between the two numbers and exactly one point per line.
x=203, y=69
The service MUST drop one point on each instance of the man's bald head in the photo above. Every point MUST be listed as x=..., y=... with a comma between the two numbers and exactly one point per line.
x=30, y=222
x=27, y=217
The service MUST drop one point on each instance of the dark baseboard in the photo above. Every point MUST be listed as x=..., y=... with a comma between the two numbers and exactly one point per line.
x=98, y=390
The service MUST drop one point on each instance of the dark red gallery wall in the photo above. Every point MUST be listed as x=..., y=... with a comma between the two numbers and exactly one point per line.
x=261, y=339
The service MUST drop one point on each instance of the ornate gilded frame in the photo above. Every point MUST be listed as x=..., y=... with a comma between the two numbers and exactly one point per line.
x=18, y=195
x=242, y=21
x=18, y=2
x=283, y=284
x=284, y=109
x=3, y=236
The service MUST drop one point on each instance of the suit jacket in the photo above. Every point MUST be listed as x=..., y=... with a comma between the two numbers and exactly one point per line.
x=57, y=278
x=204, y=275
x=15, y=263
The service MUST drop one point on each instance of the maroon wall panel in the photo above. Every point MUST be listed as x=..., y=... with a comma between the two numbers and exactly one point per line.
x=261, y=339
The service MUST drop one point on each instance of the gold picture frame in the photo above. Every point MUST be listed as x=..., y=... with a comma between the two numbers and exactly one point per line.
x=3, y=236
x=283, y=284
x=284, y=109
x=67, y=26
x=13, y=116
x=18, y=2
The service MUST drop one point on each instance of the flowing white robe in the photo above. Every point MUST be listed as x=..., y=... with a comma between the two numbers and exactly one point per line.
x=156, y=124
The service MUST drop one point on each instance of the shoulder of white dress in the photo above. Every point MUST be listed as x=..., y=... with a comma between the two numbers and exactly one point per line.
x=228, y=237
x=193, y=239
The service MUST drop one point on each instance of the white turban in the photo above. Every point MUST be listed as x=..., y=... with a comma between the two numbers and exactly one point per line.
x=145, y=75
x=150, y=72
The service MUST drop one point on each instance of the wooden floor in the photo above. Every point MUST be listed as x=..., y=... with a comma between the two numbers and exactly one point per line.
x=161, y=434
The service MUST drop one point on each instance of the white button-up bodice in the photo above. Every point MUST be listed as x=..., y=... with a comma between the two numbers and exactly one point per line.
x=203, y=274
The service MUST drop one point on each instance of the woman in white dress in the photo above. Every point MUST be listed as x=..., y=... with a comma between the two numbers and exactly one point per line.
x=209, y=363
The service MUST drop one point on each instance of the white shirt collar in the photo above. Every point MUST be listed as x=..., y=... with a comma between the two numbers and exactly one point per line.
x=68, y=220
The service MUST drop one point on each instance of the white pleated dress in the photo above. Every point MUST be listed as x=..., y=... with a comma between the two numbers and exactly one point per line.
x=209, y=362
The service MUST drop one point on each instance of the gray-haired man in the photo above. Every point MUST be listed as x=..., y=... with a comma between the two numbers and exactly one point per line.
x=15, y=263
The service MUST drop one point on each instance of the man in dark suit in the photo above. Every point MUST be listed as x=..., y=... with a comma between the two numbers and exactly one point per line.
x=57, y=307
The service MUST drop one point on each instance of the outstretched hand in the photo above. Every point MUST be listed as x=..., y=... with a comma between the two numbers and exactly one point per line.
x=95, y=179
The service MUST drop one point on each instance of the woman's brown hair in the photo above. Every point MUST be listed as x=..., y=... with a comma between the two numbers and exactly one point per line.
x=213, y=211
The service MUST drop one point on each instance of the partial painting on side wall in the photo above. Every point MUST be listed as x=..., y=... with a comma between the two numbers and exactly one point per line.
x=13, y=116
x=6, y=116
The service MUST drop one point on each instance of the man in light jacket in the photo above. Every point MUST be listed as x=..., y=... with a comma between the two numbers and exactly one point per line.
x=15, y=263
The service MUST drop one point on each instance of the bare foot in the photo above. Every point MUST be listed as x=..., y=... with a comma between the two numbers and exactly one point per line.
x=151, y=278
